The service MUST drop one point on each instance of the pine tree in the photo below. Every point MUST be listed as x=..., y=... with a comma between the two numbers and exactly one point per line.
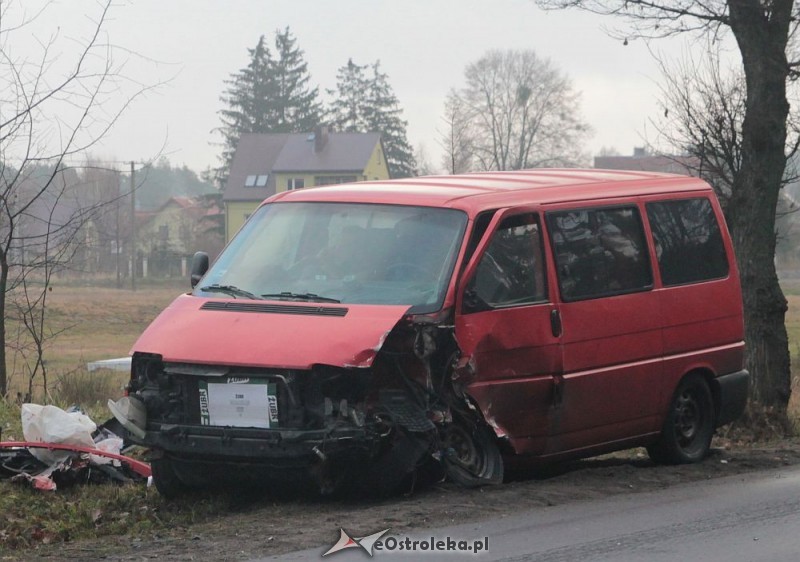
x=348, y=110
x=271, y=95
x=365, y=102
x=384, y=115
x=296, y=105
x=247, y=98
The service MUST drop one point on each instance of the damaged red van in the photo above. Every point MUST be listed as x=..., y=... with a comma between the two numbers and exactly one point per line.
x=358, y=332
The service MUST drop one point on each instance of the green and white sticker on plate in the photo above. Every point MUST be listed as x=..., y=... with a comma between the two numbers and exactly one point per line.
x=239, y=402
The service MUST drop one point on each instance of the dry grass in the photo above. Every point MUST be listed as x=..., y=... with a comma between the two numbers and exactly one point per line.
x=92, y=324
x=793, y=330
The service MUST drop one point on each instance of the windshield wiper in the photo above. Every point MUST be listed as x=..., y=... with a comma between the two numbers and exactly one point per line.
x=299, y=297
x=231, y=290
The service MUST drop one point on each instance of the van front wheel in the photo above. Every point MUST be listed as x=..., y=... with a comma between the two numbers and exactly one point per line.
x=167, y=480
x=689, y=426
x=471, y=457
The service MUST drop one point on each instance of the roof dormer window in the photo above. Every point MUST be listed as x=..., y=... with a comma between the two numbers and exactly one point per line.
x=256, y=181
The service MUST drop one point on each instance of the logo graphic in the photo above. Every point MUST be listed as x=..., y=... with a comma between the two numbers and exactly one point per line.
x=346, y=541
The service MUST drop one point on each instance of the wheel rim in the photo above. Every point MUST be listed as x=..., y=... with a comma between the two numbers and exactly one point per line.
x=689, y=417
x=465, y=453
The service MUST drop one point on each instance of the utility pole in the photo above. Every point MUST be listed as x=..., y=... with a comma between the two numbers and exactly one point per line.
x=117, y=241
x=133, y=227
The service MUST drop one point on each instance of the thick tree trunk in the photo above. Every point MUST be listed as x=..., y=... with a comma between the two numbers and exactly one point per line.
x=3, y=286
x=751, y=211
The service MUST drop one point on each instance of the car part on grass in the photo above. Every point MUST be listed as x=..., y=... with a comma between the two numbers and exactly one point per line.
x=138, y=467
x=64, y=448
x=81, y=466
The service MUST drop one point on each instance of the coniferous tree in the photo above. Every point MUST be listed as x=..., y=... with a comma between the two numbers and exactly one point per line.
x=296, y=104
x=246, y=98
x=347, y=112
x=365, y=102
x=383, y=114
x=271, y=95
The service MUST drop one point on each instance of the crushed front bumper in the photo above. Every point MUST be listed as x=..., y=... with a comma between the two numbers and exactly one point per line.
x=228, y=444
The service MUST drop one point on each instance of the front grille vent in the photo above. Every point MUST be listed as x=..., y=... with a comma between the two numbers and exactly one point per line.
x=263, y=308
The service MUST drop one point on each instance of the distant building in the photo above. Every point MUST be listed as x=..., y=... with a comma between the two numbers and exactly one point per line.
x=177, y=229
x=642, y=161
x=265, y=164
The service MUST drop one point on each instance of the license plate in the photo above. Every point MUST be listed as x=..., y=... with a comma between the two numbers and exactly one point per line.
x=239, y=402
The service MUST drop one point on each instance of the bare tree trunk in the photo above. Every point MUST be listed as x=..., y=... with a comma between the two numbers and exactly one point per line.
x=3, y=286
x=755, y=196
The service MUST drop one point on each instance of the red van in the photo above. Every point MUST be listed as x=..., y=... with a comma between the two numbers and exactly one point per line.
x=354, y=333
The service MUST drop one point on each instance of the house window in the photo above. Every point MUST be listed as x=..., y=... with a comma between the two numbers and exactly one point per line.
x=331, y=180
x=295, y=183
x=163, y=232
x=256, y=181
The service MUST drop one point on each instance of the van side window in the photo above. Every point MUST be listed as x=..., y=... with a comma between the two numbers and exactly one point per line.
x=599, y=252
x=511, y=271
x=688, y=241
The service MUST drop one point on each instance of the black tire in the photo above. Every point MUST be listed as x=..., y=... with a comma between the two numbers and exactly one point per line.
x=471, y=457
x=689, y=425
x=167, y=480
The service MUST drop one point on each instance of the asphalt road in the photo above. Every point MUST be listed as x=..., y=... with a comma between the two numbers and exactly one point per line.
x=748, y=517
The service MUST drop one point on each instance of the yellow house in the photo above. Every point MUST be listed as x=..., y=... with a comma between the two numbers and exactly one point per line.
x=265, y=164
x=174, y=231
x=167, y=229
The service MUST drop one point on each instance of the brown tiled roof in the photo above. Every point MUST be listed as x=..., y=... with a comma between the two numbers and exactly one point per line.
x=255, y=155
x=260, y=154
x=344, y=152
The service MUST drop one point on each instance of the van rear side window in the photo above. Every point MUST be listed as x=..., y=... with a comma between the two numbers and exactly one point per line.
x=599, y=252
x=688, y=241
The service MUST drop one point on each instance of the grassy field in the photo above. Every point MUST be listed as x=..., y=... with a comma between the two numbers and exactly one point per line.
x=103, y=323
x=91, y=323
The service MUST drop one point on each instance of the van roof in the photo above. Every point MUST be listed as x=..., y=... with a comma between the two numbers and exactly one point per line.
x=487, y=190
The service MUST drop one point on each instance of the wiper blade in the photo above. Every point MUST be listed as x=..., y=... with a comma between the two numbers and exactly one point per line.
x=299, y=297
x=231, y=290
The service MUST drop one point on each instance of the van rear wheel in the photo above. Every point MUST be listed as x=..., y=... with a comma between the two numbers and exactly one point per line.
x=689, y=426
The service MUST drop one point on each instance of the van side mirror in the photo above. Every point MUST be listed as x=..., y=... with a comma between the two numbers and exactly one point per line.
x=199, y=267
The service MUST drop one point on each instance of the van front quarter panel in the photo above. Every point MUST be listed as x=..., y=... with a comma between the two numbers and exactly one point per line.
x=352, y=334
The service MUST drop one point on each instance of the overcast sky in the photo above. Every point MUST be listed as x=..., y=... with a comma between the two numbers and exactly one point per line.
x=423, y=46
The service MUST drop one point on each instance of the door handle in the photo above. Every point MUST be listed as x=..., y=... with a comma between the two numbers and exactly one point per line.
x=555, y=323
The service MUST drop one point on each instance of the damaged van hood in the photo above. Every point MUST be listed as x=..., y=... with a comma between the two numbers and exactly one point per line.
x=280, y=334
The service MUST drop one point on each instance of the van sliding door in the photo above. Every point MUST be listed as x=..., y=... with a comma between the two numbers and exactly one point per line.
x=611, y=321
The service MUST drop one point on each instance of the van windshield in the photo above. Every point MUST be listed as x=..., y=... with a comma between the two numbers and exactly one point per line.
x=341, y=252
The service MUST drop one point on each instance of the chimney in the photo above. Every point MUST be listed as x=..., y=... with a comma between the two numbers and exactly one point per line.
x=320, y=137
